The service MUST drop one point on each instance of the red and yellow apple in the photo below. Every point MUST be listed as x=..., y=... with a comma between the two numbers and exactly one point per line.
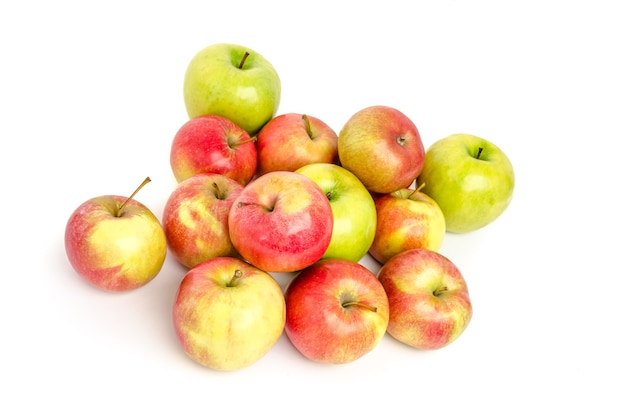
x=290, y=141
x=228, y=314
x=407, y=219
x=195, y=218
x=213, y=144
x=337, y=311
x=429, y=303
x=382, y=147
x=115, y=243
x=281, y=222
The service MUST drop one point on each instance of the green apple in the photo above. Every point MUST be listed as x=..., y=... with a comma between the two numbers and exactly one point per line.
x=470, y=178
x=354, y=212
x=232, y=81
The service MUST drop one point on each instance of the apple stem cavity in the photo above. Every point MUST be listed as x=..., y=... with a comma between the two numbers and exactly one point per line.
x=307, y=125
x=360, y=304
x=243, y=60
x=480, y=151
x=119, y=210
x=440, y=290
x=236, y=276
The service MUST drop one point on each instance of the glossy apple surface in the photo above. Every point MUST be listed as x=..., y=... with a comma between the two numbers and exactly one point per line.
x=429, y=303
x=213, y=144
x=354, y=212
x=195, y=218
x=290, y=141
x=337, y=311
x=281, y=222
x=115, y=246
x=382, y=147
x=471, y=179
x=232, y=81
x=228, y=314
x=407, y=219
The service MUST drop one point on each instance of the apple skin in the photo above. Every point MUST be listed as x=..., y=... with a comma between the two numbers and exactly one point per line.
x=281, y=222
x=213, y=144
x=114, y=253
x=320, y=323
x=290, y=141
x=227, y=322
x=382, y=147
x=429, y=303
x=215, y=84
x=407, y=219
x=471, y=192
x=195, y=218
x=354, y=212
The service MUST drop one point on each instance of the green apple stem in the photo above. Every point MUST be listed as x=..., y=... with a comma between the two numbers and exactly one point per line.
x=243, y=60
x=119, y=210
x=480, y=151
x=440, y=290
x=307, y=125
x=236, y=276
x=361, y=304
x=417, y=190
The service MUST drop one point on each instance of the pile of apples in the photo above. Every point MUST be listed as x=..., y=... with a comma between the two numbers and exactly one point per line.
x=260, y=194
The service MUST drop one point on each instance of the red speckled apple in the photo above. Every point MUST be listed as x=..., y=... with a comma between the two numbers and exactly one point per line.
x=213, y=144
x=281, y=222
x=337, y=311
x=290, y=141
x=115, y=243
x=429, y=303
x=195, y=218
x=382, y=147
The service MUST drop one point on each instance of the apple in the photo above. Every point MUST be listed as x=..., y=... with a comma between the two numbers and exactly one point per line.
x=354, y=212
x=337, y=311
x=382, y=147
x=407, y=219
x=115, y=243
x=228, y=314
x=213, y=144
x=235, y=82
x=290, y=141
x=470, y=178
x=429, y=303
x=281, y=222
x=195, y=218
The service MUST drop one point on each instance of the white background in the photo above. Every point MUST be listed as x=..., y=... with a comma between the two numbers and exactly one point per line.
x=91, y=96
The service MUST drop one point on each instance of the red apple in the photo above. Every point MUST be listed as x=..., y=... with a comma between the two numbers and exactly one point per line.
x=290, y=141
x=407, y=219
x=337, y=311
x=228, y=314
x=115, y=243
x=213, y=144
x=429, y=303
x=382, y=147
x=281, y=222
x=195, y=218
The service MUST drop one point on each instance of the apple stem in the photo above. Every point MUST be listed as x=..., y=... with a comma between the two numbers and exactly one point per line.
x=119, y=210
x=245, y=141
x=480, y=151
x=243, y=60
x=361, y=304
x=236, y=276
x=218, y=193
x=417, y=190
x=307, y=125
x=440, y=290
